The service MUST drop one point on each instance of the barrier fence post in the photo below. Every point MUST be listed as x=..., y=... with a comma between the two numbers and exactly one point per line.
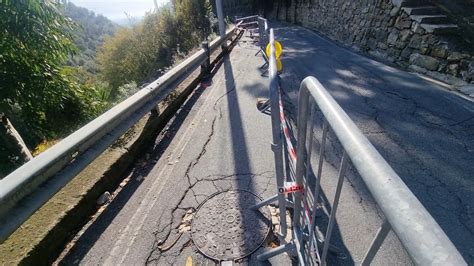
x=261, y=32
x=276, y=131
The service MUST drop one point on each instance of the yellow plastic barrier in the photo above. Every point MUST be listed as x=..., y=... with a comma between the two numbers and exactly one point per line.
x=279, y=65
x=278, y=49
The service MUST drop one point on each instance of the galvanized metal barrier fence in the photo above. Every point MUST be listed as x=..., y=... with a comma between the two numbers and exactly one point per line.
x=26, y=189
x=263, y=32
x=249, y=20
x=422, y=237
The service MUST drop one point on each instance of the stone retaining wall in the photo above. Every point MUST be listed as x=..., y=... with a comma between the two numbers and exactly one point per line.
x=384, y=31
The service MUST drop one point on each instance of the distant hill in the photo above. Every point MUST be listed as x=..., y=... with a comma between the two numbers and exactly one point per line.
x=89, y=36
x=128, y=22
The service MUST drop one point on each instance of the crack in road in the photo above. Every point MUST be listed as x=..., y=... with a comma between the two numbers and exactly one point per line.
x=170, y=226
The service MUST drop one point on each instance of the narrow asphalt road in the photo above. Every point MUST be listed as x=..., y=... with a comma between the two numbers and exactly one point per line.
x=424, y=131
x=220, y=141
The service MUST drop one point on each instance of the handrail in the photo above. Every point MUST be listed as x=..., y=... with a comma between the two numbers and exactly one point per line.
x=276, y=132
x=245, y=18
x=263, y=35
x=419, y=233
x=68, y=157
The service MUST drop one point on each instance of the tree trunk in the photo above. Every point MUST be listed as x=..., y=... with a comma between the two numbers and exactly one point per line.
x=13, y=141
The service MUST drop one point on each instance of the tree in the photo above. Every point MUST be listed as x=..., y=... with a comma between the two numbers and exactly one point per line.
x=192, y=17
x=42, y=97
x=141, y=53
x=89, y=35
x=114, y=58
x=35, y=43
x=14, y=142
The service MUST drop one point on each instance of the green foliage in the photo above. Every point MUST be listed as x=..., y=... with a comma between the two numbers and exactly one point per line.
x=125, y=91
x=49, y=81
x=193, y=18
x=42, y=97
x=115, y=60
x=91, y=33
x=35, y=42
x=141, y=53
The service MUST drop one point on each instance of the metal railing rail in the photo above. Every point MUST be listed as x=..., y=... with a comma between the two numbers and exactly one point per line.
x=246, y=19
x=273, y=103
x=276, y=147
x=418, y=232
x=422, y=237
x=263, y=32
x=27, y=188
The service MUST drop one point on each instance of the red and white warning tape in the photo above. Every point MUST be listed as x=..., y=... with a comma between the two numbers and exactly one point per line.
x=291, y=151
x=286, y=131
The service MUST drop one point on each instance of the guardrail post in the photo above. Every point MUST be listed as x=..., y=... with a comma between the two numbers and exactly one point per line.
x=155, y=111
x=207, y=63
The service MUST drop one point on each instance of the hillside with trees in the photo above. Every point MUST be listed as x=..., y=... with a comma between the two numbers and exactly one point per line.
x=62, y=65
x=141, y=53
x=89, y=35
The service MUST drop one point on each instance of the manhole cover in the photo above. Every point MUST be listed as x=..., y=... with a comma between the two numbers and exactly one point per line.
x=225, y=228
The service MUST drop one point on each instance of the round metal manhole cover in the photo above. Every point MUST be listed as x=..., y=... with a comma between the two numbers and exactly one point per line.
x=225, y=228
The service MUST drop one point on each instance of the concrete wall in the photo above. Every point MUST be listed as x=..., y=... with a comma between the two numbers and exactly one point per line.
x=383, y=30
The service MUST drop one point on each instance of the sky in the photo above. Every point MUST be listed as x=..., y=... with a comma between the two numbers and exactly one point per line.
x=114, y=9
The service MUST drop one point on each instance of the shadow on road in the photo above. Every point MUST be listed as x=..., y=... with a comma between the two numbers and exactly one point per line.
x=423, y=131
x=338, y=252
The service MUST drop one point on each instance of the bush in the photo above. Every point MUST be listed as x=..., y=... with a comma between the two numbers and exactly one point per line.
x=139, y=54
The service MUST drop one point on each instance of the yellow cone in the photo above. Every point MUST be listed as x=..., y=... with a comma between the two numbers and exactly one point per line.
x=279, y=65
x=278, y=49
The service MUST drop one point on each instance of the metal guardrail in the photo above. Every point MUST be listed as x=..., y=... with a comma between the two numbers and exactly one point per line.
x=422, y=237
x=30, y=186
x=262, y=33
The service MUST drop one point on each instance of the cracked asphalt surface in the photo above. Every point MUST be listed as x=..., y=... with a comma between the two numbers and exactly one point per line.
x=219, y=141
